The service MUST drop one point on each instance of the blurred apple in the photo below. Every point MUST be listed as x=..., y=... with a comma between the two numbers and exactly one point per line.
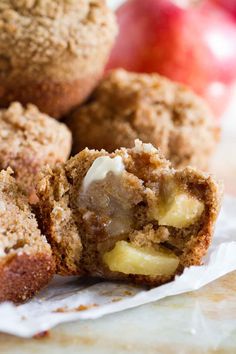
x=228, y=5
x=194, y=45
x=218, y=96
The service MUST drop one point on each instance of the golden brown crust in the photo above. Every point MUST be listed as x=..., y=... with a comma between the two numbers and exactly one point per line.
x=60, y=227
x=30, y=140
x=54, y=98
x=26, y=262
x=126, y=106
x=146, y=172
x=205, y=188
x=53, y=48
x=24, y=275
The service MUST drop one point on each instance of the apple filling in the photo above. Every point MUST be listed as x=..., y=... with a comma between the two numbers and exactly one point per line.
x=130, y=259
x=101, y=200
x=135, y=232
x=103, y=194
x=180, y=210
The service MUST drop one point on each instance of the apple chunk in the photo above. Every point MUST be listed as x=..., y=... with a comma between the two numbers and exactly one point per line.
x=129, y=259
x=182, y=211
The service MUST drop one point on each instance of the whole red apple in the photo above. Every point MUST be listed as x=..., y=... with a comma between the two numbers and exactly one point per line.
x=195, y=45
x=228, y=5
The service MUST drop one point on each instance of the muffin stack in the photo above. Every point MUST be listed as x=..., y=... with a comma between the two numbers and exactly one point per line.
x=99, y=209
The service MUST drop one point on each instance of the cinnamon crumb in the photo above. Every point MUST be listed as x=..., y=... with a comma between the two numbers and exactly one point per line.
x=41, y=335
x=76, y=309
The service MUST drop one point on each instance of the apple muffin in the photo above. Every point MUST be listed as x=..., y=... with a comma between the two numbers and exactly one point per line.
x=26, y=262
x=126, y=215
x=126, y=106
x=53, y=52
x=28, y=141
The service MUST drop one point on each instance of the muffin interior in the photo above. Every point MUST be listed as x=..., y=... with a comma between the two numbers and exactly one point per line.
x=126, y=215
x=19, y=233
x=138, y=222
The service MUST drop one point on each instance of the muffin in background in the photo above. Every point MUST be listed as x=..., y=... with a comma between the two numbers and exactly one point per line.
x=53, y=52
x=126, y=106
x=30, y=140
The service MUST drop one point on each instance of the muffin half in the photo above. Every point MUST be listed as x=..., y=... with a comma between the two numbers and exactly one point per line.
x=26, y=262
x=127, y=215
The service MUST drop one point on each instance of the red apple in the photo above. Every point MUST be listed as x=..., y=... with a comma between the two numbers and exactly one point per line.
x=194, y=45
x=218, y=97
x=228, y=5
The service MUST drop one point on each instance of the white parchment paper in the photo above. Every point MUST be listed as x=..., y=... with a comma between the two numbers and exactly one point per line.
x=70, y=299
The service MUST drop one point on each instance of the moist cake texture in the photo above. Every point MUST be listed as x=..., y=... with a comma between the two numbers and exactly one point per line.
x=126, y=106
x=53, y=52
x=26, y=263
x=30, y=140
x=126, y=215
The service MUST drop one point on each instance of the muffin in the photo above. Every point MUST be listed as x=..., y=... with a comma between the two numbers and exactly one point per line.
x=26, y=263
x=127, y=215
x=126, y=106
x=52, y=52
x=30, y=140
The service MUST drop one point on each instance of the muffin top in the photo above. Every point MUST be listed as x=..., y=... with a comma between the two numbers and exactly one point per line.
x=45, y=32
x=126, y=106
x=28, y=131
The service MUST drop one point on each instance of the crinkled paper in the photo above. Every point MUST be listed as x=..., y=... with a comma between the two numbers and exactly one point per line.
x=70, y=299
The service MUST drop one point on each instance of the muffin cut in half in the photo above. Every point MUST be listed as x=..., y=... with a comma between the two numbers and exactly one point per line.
x=53, y=52
x=26, y=262
x=126, y=215
x=29, y=140
x=126, y=106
